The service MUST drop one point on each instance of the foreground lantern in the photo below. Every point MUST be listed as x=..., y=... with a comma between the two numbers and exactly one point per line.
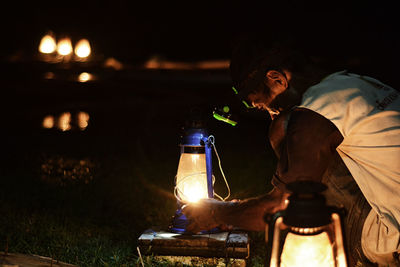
x=194, y=179
x=307, y=233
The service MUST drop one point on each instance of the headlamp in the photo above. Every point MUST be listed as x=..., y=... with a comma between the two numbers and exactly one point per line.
x=228, y=113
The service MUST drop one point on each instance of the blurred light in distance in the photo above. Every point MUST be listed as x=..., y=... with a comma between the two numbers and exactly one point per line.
x=49, y=75
x=83, y=120
x=47, y=44
x=48, y=122
x=113, y=63
x=84, y=77
x=64, y=47
x=64, y=121
x=82, y=48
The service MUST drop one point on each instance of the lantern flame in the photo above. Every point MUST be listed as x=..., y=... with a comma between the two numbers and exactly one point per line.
x=307, y=250
x=82, y=48
x=47, y=44
x=64, y=47
x=194, y=188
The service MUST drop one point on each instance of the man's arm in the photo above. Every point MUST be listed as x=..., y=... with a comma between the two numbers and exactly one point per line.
x=246, y=214
x=305, y=144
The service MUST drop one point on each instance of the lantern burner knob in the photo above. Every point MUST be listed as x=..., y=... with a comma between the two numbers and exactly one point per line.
x=307, y=206
x=306, y=187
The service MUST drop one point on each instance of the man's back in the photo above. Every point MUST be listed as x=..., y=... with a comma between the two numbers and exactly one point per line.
x=367, y=113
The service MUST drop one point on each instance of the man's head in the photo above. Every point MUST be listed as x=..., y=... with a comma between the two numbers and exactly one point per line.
x=262, y=73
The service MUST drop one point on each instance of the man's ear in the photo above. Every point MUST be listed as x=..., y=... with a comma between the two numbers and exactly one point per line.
x=276, y=78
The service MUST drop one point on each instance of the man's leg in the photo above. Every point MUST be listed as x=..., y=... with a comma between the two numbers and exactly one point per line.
x=343, y=191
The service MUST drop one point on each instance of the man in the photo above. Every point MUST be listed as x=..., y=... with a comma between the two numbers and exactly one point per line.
x=341, y=129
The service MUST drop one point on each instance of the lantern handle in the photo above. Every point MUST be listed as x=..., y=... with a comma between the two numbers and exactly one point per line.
x=211, y=140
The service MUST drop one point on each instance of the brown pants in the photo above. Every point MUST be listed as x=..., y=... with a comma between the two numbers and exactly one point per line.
x=344, y=192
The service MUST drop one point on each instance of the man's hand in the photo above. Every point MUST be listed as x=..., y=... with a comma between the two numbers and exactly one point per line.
x=206, y=214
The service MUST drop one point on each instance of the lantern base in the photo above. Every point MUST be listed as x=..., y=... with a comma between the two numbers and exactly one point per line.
x=179, y=223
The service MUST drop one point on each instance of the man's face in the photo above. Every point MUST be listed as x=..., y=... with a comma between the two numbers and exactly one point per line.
x=274, y=84
x=261, y=101
x=276, y=93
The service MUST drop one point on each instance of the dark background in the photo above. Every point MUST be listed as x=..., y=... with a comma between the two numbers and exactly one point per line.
x=132, y=31
x=133, y=103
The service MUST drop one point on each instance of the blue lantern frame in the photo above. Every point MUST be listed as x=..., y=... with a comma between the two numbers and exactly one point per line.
x=194, y=137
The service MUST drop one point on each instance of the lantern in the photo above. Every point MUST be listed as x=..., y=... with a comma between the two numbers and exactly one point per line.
x=194, y=178
x=308, y=232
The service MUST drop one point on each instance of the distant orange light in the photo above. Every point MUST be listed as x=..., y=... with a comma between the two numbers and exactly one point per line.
x=48, y=122
x=49, y=75
x=64, y=47
x=47, y=44
x=82, y=48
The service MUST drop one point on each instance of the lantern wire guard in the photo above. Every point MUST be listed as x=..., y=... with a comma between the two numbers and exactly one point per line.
x=178, y=192
x=195, y=179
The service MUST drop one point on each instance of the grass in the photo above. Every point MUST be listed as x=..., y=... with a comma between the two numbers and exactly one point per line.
x=85, y=197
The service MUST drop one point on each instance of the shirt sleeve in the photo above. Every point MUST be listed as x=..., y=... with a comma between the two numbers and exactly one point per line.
x=304, y=143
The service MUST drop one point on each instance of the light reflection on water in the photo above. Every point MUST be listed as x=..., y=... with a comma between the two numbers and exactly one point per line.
x=61, y=170
x=66, y=121
x=48, y=122
x=84, y=77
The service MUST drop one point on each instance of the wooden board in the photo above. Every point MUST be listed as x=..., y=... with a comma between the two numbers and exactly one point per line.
x=223, y=244
x=195, y=261
x=23, y=260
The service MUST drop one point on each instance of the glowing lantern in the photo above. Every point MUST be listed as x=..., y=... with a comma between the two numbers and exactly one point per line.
x=64, y=47
x=307, y=233
x=194, y=179
x=47, y=44
x=82, y=48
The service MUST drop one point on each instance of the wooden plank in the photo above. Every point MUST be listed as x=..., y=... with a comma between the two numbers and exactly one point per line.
x=24, y=260
x=223, y=244
x=196, y=261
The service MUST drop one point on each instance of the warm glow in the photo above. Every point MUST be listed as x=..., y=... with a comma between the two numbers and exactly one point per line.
x=83, y=120
x=191, y=178
x=49, y=75
x=307, y=250
x=84, y=77
x=82, y=48
x=64, y=47
x=113, y=63
x=194, y=188
x=47, y=44
x=48, y=122
x=64, y=121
